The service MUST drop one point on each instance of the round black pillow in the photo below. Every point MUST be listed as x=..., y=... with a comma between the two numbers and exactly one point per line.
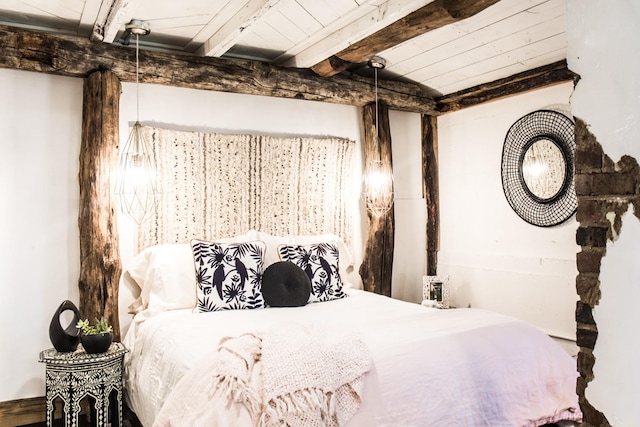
x=284, y=284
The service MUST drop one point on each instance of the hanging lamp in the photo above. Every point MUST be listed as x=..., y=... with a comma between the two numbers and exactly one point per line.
x=377, y=176
x=137, y=188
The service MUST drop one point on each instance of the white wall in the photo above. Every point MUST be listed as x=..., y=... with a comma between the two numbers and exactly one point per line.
x=410, y=211
x=496, y=260
x=603, y=39
x=40, y=126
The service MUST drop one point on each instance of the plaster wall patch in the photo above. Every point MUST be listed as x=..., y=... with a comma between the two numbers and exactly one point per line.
x=611, y=217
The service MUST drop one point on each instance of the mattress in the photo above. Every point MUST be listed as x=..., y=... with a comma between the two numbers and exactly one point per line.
x=430, y=367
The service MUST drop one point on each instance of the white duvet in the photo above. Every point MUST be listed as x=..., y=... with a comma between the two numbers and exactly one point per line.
x=430, y=367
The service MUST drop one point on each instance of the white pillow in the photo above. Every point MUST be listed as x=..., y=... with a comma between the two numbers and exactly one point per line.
x=348, y=271
x=166, y=276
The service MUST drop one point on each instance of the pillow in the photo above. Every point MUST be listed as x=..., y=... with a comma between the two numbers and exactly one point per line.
x=320, y=261
x=348, y=272
x=164, y=273
x=228, y=275
x=284, y=284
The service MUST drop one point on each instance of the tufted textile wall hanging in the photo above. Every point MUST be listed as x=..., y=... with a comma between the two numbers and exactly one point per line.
x=222, y=185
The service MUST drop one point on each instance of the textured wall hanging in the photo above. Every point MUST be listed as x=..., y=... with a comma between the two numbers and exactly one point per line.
x=538, y=168
x=221, y=185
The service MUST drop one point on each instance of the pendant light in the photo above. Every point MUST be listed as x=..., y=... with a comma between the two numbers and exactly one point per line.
x=377, y=176
x=137, y=186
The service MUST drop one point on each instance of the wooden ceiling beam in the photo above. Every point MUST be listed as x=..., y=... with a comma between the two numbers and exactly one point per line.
x=436, y=14
x=112, y=17
x=361, y=22
x=90, y=13
x=540, y=77
x=76, y=57
x=229, y=33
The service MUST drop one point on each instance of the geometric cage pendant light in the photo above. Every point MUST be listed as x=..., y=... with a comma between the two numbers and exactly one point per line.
x=137, y=185
x=377, y=177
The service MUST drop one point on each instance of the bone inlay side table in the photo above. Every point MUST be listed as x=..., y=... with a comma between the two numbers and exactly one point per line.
x=75, y=375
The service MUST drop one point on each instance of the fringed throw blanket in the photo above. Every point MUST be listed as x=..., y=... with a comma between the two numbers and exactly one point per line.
x=289, y=376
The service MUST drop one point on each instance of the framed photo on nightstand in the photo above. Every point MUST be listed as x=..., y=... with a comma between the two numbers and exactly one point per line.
x=435, y=291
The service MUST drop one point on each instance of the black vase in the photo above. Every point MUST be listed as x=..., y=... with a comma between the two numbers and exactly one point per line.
x=97, y=343
x=65, y=339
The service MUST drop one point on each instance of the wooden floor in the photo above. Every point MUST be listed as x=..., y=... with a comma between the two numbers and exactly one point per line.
x=129, y=419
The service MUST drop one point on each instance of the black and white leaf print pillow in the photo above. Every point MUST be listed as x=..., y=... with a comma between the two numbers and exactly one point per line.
x=228, y=275
x=320, y=262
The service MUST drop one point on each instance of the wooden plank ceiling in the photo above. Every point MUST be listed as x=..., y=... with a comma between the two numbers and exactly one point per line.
x=462, y=44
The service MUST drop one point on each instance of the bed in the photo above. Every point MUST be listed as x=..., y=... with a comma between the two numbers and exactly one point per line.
x=403, y=364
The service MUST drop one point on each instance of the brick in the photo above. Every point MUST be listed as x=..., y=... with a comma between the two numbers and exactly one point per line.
x=611, y=184
x=584, y=138
x=581, y=385
x=588, y=160
x=584, y=314
x=586, y=336
x=606, y=184
x=608, y=165
x=588, y=260
x=582, y=182
x=628, y=164
x=592, y=236
x=588, y=288
x=586, y=360
x=624, y=182
x=591, y=417
x=591, y=211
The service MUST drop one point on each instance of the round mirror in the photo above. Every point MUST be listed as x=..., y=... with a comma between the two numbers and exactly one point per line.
x=537, y=168
x=543, y=169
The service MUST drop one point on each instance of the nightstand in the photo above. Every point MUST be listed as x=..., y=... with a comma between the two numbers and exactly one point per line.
x=75, y=375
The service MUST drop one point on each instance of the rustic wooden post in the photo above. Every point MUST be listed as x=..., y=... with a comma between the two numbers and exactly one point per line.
x=431, y=189
x=377, y=263
x=99, y=253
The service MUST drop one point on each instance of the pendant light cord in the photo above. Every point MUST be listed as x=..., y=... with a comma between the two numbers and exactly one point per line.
x=375, y=73
x=137, y=83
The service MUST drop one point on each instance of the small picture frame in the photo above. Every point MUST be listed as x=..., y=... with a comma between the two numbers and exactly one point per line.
x=436, y=290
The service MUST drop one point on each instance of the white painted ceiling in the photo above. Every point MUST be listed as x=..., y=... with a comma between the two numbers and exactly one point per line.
x=507, y=38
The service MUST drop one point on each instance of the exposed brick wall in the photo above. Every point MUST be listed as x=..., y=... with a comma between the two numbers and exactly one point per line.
x=604, y=190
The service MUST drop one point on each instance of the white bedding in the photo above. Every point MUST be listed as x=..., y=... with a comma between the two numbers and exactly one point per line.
x=430, y=367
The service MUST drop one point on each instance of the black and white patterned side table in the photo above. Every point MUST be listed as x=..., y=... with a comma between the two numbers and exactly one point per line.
x=75, y=375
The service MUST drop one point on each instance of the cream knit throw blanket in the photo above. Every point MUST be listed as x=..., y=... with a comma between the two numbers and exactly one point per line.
x=310, y=376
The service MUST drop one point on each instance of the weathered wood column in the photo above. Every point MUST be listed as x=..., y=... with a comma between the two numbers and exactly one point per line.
x=431, y=189
x=99, y=254
x=377, y=263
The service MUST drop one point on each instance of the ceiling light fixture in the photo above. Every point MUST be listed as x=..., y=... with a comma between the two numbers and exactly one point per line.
x=137, y=186
x=377, y=176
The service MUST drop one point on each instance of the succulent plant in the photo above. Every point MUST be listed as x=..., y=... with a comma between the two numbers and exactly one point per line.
x=101, y=327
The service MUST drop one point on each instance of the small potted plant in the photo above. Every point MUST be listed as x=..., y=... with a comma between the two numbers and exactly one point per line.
x=95, y=338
